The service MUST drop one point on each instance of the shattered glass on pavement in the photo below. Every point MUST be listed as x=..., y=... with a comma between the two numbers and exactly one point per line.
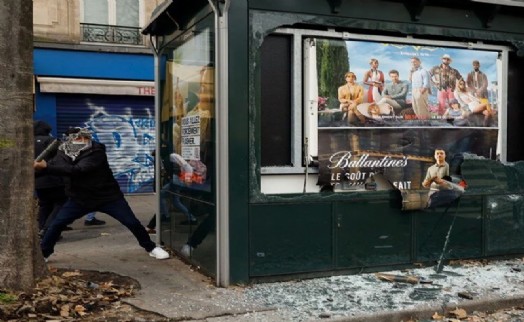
x=365, y=294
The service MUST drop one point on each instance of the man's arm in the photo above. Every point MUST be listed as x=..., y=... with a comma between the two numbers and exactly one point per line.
x=403, y=91
x=485, y=83
x=440, y=173
x=425, y=80
x=386, y=91
x=341, y=96
x=469, y=82
x=457, y=75
x=360, y=95
x=428, y=179
x=434, y=76
x=86, y=164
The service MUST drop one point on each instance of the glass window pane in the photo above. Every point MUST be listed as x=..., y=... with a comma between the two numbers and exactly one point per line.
x=276, y=98
x=96, y=11
x=127, y=12
x=187, y=147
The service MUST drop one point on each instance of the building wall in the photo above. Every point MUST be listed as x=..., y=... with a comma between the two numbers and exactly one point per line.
x=56, y=21
x=122, y=121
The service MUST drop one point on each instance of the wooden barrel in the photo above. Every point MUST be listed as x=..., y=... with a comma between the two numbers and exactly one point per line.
x=414, y=199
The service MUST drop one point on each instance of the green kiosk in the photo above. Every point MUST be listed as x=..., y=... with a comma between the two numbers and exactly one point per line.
x=321, y=137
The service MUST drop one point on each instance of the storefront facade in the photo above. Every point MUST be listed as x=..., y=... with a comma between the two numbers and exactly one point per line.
x=278, y=153
x=113, y=95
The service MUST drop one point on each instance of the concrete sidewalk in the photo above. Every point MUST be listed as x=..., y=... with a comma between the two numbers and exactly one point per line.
x=173, y=289
x=168, y=287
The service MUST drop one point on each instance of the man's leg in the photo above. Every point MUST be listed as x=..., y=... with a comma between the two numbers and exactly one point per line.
x=59, y=198
x=164, y=206
x=354, y=116
x=420, y=104
x=91, y=220
x=199, y=234
x=121, y=211
x=178, y=204
x=202, y=231
x=449, y=97
x=424, y=105
x=152, y=223
x=69, y=212
x=45, y=206
x=442, y=100
x=416, y=101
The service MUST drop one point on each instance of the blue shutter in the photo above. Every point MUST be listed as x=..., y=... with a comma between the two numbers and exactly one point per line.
x=125, y=124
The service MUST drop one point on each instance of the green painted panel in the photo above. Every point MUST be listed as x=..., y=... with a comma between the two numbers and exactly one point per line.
x=505, y=224
x=465, y=238
x=371, y=233
x=485, y=176
x=290, y=238
x=395, y=16
x=238, y=142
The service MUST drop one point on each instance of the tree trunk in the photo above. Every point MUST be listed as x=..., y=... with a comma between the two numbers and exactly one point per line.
x=20, y=260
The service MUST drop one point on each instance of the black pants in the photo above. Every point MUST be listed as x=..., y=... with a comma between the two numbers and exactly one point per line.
x=118, y=209
x=50, y=200
x=202, y=231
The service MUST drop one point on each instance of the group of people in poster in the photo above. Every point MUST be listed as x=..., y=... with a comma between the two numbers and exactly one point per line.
x=462, y=98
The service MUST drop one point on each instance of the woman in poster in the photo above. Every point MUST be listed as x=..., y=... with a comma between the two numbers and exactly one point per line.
x=466, y=98
x=374, y=78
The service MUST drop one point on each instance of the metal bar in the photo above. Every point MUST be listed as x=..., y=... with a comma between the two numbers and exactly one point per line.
x=111, y=34
x=157, y=172
x=222, y=141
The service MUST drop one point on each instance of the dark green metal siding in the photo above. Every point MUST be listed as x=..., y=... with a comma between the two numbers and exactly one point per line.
x=504, y=224
x=371, y=233
x=238, y=140
x=465, y=236
x=274, y=235
x=290, y=238
x=460, y=19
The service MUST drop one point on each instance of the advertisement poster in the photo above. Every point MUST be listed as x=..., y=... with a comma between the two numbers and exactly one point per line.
x=190, y=136
x=395, y=104
x=349, y=159
x=192, y=115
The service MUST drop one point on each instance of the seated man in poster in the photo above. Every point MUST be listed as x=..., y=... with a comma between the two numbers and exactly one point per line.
x=395, y=92
x=436, y=172
x=350, y=95
x=442, y=190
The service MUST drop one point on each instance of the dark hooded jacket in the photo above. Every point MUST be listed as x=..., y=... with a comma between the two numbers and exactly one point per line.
x=42, y=134
x=89, y=179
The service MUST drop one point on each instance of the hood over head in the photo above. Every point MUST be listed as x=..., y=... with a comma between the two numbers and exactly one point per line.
x=41, y=128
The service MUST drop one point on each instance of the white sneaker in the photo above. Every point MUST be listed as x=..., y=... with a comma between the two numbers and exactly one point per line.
x=159, y=253
x=186, y=250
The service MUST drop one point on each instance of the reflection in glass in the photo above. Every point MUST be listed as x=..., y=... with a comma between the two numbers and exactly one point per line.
x=187, y=148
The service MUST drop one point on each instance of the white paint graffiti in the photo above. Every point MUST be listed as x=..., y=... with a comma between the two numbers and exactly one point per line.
x=129, y=141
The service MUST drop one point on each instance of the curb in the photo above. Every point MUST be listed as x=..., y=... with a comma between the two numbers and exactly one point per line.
x=482, y=305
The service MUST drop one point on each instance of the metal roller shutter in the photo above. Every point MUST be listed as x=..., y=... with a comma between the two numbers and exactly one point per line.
x=125, y=124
